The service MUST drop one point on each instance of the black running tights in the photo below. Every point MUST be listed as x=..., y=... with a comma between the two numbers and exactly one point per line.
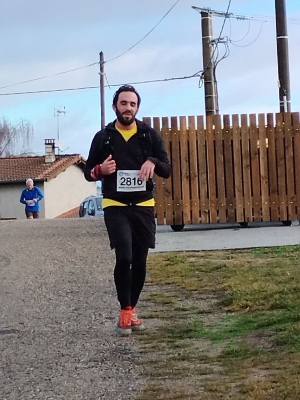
x=130, y=272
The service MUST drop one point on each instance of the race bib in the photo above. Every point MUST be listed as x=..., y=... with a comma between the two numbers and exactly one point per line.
x=129, y=181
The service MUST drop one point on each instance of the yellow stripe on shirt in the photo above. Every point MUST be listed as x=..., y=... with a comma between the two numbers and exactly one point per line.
x=110, y=202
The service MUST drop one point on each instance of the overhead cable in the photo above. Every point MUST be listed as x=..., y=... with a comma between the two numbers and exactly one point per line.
x=97, y=87
x=49, y=76
x=253, y=41
x=226, y=15
x=130, y=48
x=86, y=66
x=244, y=37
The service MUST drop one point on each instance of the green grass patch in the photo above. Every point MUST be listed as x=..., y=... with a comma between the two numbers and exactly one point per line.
x=234, y=315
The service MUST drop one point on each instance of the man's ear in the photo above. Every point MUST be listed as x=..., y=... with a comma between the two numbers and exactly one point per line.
x=114, y=107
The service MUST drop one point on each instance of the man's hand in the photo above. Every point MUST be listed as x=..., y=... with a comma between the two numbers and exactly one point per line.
x=35, y=200
x=108, y=167
x=147, y=170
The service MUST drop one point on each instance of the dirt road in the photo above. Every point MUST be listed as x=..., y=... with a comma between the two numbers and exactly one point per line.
x=58, y=311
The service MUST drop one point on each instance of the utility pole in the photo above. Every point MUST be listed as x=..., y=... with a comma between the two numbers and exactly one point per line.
x=208, y=52
x=102, y=101
x=208, y=64
x=283, y=56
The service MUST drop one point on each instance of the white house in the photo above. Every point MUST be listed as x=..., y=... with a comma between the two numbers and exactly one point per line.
x=60, y=177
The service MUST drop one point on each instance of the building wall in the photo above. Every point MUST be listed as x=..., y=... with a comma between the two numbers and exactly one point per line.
x=10, y=206
x=66, y=191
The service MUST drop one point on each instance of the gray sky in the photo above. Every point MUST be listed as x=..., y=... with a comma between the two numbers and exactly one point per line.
x=39, y=39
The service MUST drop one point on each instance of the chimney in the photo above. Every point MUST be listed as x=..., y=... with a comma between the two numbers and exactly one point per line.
x=49, y=151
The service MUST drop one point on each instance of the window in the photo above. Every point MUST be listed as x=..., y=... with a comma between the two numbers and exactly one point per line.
x=84, y=208
x=91, y=207
x=99, y=203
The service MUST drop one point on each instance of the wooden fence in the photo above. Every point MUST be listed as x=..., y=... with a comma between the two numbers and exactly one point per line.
x=230, y=169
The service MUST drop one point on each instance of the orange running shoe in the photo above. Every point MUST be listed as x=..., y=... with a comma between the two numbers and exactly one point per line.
x=124, y=324
x=136, y=323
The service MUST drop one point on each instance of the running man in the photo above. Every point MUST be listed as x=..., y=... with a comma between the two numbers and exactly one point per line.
x=125, y=156
x=31, y=196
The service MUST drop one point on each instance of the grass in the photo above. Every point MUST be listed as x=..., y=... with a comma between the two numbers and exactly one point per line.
x=229, y=325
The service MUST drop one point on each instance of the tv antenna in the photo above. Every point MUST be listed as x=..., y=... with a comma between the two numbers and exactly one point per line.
x=57, y=113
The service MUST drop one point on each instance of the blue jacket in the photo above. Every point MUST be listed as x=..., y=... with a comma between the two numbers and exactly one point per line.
x=34, y=193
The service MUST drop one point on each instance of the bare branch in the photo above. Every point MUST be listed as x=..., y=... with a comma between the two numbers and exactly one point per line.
x=14, y=137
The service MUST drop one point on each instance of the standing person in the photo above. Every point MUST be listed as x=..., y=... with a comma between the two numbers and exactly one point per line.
x=31, y=196
x=125, y=155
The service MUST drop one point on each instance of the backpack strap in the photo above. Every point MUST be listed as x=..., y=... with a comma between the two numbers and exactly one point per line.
x=106, y=144
x=145, y=143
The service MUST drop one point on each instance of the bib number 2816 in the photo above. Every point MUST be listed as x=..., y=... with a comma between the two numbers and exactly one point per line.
x=129, y=181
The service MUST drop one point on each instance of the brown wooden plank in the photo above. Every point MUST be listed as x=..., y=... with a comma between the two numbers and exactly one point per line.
x=157, y=192
x=220, y=172
x=185, y=173
x=263, y=165
x=296, y=134
x=246, y=168
x=229, y=181
x=166, y=135
x=211, y=170
x=289, y=162
x=176, y=162
x=237, y=165
x=281, y=168
x=255, y=173
x=194, y=176
x=204, y=205
x=272, y=168
x=147, y=120
x=159, y=185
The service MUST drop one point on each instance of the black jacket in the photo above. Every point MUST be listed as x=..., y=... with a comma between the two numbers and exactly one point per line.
x=145, y=144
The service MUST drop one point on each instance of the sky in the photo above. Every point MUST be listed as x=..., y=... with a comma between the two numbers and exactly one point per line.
x=45, y=39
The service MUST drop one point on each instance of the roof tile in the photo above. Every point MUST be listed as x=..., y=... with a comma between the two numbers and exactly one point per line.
x=19, y=168
x=73, y=213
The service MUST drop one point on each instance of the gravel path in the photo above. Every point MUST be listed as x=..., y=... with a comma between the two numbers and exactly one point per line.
x=58, y=311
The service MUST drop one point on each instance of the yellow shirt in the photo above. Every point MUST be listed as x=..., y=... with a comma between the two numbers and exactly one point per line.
x=127, y=134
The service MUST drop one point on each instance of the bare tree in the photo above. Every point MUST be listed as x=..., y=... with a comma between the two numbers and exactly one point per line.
x=14, y=137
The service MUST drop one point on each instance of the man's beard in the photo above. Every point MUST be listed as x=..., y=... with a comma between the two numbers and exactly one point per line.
x=123, y=120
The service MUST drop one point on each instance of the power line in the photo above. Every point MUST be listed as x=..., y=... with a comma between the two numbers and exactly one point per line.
x=86, y=66
x=49, y=76
x=249, y=44
x=97, y=87
x=225, y=18
x=210, y=57
x=266, y=18
x=216, y=63
x=244, y=37
x=226, y=15
x=270, y=17
x=130, y=48
x=50, y=91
